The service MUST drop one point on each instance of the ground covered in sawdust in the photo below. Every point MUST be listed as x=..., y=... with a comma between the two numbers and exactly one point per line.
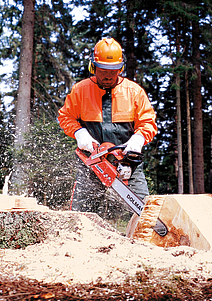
x=82, y=257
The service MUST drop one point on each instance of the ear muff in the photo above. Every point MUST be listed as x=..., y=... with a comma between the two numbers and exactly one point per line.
x=91, y=67
x=124, y=62
x=121, y=70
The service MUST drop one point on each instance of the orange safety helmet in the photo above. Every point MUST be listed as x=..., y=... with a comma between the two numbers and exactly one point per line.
x=107, y=55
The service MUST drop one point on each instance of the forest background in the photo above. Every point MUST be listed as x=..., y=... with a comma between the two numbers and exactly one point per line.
x=168, y=49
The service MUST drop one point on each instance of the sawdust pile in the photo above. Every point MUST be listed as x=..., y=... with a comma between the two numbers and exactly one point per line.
x=90, y=256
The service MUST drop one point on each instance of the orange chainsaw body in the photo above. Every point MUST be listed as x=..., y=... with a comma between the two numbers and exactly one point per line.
x=100, y=163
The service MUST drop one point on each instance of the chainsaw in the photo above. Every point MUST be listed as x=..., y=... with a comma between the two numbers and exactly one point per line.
x=114, y=170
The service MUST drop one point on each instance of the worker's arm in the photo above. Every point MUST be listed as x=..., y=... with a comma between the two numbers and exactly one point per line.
x=145, y=117
x=69, y=114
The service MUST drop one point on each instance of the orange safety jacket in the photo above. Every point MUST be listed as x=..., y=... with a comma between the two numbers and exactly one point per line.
x=130, y=104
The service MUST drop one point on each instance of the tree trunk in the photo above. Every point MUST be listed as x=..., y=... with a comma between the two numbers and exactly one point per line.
x=198, y=123
x=24, y=91
x=179, y=138
x=190, y=169
x=25, y=72
x=131, y=61
x=179, y=126
x=210, y=175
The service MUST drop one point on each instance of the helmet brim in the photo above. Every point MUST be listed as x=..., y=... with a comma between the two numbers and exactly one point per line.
x=109, y=66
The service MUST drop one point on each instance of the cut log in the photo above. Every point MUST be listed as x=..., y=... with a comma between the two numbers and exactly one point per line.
x=188, y=219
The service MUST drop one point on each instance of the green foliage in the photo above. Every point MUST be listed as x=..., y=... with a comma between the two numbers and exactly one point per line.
x=5, y=153
x=54, y=55
x=48, y=158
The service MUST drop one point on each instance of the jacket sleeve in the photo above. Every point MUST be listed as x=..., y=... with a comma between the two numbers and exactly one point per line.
x=144, y=117
x=69, y=114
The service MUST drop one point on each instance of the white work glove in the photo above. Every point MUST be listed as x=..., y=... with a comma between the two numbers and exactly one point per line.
x=135, y=143
x=85, y=140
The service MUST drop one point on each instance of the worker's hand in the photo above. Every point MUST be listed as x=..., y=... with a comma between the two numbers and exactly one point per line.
x=85, y=140
x=135, y=143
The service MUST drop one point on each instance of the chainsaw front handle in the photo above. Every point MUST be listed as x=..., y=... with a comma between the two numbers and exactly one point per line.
x=131, y=156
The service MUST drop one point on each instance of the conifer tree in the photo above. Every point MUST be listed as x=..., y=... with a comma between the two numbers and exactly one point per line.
x=189, y=13
x=22, y=119
x=52, y=67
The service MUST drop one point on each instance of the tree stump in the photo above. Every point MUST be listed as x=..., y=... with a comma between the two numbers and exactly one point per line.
x=20, y=222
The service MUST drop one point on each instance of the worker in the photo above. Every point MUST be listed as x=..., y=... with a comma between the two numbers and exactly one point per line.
x=106, y=107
